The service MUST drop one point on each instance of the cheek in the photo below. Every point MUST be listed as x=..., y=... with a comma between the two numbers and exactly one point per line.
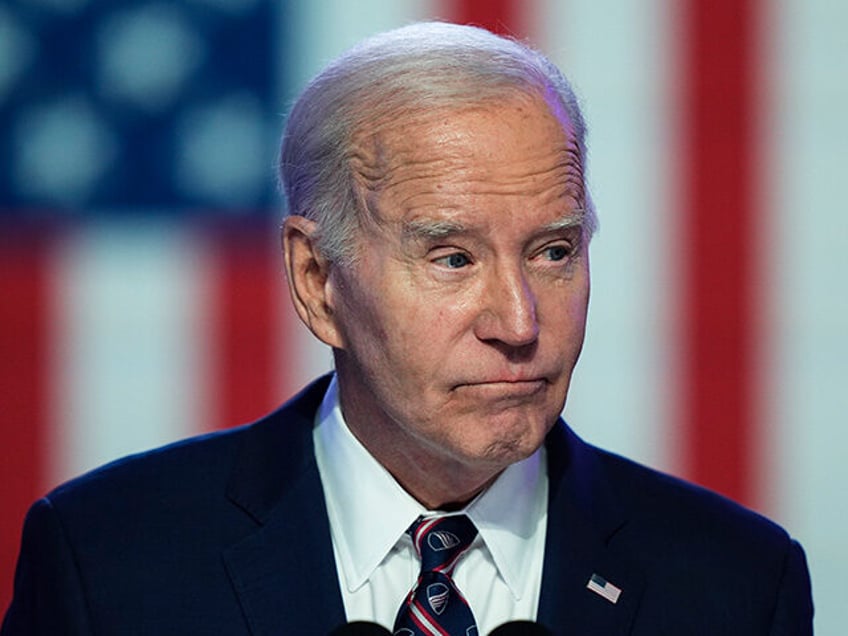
x=362, y=323
x=427, y=343
x=565, y=318
x=576, y=298
x=390, y=334
x=575, y=312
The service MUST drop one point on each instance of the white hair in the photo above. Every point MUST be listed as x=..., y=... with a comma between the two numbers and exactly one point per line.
x=421, y=66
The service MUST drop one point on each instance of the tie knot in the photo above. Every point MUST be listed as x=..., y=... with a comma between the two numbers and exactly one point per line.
x=441, y=541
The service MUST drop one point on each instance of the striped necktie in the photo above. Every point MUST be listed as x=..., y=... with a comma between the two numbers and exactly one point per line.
x=434, y=607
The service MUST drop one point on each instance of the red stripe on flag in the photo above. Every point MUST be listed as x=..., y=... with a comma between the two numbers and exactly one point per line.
x=247, y=324
x=500, y=16
x=720, y=213
x=24, y=307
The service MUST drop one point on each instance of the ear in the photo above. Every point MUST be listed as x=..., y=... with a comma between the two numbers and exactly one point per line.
x=308, y=273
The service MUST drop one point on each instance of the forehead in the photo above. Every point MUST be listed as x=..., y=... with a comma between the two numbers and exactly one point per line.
x=516, y=145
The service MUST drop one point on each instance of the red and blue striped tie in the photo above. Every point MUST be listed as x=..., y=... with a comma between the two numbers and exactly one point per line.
x=435, y=607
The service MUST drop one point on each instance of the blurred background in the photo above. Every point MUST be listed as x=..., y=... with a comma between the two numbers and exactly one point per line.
x=141, y=293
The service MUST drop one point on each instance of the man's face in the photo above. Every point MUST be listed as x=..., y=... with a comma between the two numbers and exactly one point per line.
x=463, y=316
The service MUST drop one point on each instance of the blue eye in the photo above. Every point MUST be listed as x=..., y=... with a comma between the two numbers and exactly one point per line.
x=557, y=252
x=456, y=260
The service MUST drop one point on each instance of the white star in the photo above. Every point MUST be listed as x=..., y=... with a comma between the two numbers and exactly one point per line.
x=61, y=149
x=146, y=55
x=221, y=153
x=17, y=47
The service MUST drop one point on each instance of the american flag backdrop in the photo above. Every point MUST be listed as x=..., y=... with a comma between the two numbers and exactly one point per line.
x=141, y=293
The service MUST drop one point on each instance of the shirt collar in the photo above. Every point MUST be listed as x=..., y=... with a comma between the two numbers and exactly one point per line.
x=375, y=511
x=511, y=511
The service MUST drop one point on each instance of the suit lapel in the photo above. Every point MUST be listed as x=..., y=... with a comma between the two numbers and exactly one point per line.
x=284, y=573
x=583, y=517
x=275, y=481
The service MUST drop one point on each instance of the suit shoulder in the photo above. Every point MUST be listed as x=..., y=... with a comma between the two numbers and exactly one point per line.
x=193, y=475
x=674, y=520
x=157, y=474
x=651, y=494
x=194, y=461
x=726, y=569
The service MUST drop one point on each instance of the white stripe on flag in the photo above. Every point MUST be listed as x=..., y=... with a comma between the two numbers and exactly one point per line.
x=130, y=343
x=808, y=141
x=326, y=29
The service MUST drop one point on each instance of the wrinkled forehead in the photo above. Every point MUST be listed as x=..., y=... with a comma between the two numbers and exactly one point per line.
x=464, y=135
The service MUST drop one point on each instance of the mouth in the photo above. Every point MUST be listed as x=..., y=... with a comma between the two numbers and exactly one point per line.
x=503, y=388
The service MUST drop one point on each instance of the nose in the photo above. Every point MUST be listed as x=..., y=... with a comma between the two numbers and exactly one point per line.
x=508, y=310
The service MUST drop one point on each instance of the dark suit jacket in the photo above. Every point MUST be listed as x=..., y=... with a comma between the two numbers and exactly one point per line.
x=228, y=534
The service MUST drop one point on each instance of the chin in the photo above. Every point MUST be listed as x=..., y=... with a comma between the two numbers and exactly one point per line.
x=502, y=455
x=514, y=441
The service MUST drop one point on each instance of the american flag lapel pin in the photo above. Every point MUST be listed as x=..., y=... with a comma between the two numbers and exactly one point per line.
x=600, y=586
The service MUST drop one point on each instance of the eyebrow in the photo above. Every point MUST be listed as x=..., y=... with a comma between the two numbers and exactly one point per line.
x=424, y=229
x=428, y=229
x=574, y=218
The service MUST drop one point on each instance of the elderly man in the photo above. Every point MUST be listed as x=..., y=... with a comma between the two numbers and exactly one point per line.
x=437, y=240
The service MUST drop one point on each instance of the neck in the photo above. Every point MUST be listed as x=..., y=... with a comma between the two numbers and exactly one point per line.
x=438, y=474
x=437, y=483
x=435, y=478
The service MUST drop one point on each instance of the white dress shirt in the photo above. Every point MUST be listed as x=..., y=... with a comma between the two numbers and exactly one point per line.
x=369, y=512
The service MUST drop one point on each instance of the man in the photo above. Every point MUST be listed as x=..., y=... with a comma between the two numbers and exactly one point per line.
x=437, y=240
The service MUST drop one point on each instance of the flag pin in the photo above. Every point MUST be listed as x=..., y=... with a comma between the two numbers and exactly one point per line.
x=600, y=586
